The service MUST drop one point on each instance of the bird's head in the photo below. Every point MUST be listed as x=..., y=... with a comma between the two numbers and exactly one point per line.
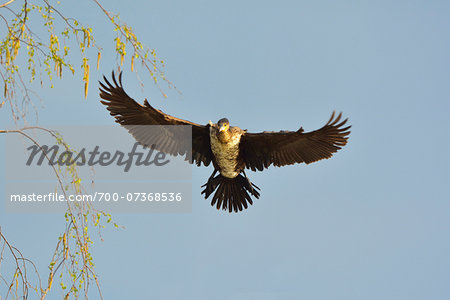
x=223, y=124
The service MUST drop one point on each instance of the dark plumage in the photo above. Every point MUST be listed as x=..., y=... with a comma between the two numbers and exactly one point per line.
x=230, y=149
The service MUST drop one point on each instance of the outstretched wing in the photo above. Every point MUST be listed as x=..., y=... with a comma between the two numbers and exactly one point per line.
x=131, y=114
x=260, y=150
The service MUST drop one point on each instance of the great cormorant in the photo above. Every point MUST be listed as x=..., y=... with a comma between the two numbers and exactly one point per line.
x=230, y=149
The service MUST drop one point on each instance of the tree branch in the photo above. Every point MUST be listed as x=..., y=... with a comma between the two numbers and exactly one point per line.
x=7, y=3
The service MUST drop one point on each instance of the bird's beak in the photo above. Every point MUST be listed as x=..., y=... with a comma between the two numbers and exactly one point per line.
x=222, y=128
x=210, y=123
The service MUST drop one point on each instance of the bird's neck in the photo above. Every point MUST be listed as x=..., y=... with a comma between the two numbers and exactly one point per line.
x=224, y=136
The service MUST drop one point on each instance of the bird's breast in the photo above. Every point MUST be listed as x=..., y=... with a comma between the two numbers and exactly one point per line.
x=226, y=153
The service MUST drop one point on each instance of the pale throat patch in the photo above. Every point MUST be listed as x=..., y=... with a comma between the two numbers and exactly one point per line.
x=226, y=154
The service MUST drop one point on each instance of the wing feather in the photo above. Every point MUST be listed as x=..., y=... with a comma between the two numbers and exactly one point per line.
x=131, y=114
x=260, y=150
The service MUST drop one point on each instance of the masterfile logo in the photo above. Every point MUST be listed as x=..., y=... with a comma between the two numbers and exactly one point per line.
x=53, y=156
x=115, y=172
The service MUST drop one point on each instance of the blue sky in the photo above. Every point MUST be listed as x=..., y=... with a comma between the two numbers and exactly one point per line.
x=370, y=223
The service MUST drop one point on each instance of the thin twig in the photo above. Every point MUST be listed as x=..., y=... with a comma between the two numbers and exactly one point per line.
x=7, y=3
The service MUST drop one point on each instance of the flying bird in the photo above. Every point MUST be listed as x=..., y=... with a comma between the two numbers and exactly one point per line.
x=230, y=149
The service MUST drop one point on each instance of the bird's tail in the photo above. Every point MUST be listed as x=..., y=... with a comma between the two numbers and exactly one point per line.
x=232, y=193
